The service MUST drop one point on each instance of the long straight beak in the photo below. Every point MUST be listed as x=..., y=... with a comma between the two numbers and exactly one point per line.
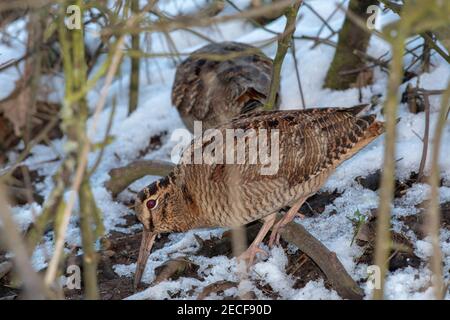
x=148, y=238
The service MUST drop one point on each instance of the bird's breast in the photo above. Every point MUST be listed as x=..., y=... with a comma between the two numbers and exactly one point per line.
x=238, y=205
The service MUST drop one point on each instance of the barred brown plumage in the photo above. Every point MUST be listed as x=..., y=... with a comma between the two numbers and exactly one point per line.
x=312, y=143
x=220, y=81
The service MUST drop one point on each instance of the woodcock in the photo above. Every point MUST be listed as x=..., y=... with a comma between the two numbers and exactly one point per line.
x=312, y=143
x=221, y=81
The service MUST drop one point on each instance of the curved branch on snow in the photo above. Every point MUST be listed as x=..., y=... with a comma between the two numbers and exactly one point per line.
x=326, y=260
x=124, y=176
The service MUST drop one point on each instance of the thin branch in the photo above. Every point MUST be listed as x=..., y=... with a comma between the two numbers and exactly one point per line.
x=283, y=46
x=397, y=8
x=383, y=241
x=7, y=64
x=13, y=242
x=332, y=14
x=434, y=215
x=324, y=21
x=135, y=65
x=181, y=22
x=423, y=160
x=105, y=139
x=297, y=74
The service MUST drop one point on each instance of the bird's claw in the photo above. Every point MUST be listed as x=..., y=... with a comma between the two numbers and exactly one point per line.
x=248, y=256
x=275, y=235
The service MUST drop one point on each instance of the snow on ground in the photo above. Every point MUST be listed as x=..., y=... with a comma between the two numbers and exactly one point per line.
x=13, y=47
x=156, y=115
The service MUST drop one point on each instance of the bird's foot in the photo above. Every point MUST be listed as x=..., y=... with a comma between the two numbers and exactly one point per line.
x=276, y=230
x=274, y=239
x=248, y=256
x=275, y=235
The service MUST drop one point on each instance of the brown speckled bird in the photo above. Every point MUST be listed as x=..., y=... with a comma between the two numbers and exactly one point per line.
x=221, y=81
x=312, y=143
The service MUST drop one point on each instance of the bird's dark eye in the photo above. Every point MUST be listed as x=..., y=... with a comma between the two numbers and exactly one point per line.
x=151, y=204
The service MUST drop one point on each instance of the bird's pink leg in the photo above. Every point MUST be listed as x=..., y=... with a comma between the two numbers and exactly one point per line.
x=249, y=255
x=288, y=217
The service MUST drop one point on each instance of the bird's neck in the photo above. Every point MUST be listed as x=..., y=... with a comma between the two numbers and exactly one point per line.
x=186, y=214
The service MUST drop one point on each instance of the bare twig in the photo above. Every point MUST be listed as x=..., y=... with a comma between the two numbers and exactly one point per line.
x=135, y=62
x=13, y=242
x=105, y=140
x=387, y=180
x=432, y=44
x=434, y=215
x=181, y=22
x=319, y=32
x=297, y=74
x=324, y=21
x=426, y=35
x=283, y=46
x=88, y=240
x=7, y=64
x=423, y=160
x=317, y=40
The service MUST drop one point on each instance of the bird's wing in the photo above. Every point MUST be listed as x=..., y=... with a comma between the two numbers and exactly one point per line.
x=246, y=80
x=189, y=86
x=309, y=141
x=202, y=81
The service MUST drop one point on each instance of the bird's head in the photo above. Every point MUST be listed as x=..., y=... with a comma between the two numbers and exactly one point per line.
x=161, y=207
x=155, y=206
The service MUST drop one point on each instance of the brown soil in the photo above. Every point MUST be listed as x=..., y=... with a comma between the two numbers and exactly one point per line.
x=417, y=222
